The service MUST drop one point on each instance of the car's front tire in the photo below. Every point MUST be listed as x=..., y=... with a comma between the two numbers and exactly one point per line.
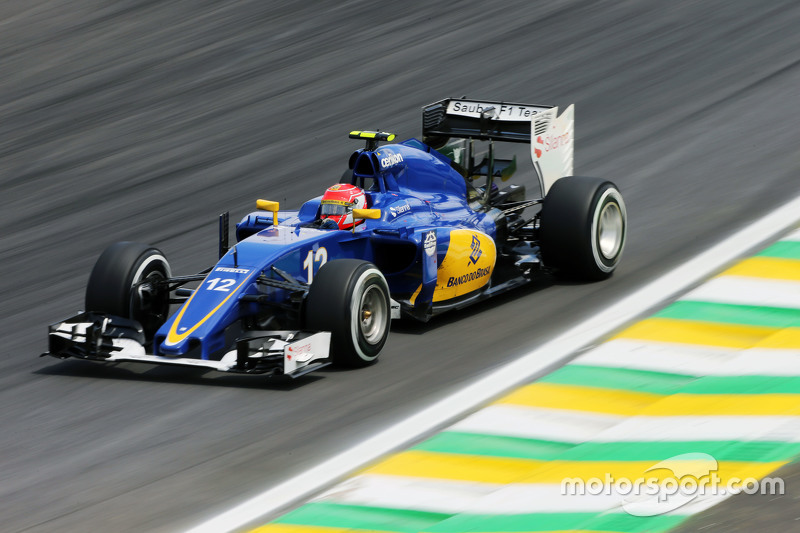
x=125, y=282
x=583, y=227
x=350, y=298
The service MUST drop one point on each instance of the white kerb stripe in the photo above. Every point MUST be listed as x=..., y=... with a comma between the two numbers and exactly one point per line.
x=692, y=360
x=446, y=496
x=453, y=497
x=703, y=428
x=400, y=492
x=742, y=290
x=536, y=423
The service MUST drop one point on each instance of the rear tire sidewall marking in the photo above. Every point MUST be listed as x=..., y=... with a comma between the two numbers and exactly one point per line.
x=609, y=196
x=370, y=279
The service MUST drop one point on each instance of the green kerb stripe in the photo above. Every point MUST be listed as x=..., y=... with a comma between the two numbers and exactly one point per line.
x=556, y=522
x=618, y=378
x=494, y=446
x=749, y=315
x=665, y=384
x=325, y=514
x=744, y=385
x=783, y=250
x=521, y=448
x=753, y=452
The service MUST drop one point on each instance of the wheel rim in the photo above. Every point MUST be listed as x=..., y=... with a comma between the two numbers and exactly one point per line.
x=610, y=230
x=372, y=315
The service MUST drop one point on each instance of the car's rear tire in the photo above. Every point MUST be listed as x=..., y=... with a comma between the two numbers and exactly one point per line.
x=583, y=227
x=350, y=298
x=123, y=282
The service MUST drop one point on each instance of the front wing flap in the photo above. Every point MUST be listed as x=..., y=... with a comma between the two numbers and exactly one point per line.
x=113, y=339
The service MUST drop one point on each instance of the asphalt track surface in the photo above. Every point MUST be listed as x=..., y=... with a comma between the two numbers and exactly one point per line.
x=142, y=120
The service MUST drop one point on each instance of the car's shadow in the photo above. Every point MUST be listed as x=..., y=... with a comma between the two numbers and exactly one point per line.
x=172, y=374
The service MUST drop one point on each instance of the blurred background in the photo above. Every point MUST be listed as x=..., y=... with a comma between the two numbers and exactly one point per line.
x=141, y=120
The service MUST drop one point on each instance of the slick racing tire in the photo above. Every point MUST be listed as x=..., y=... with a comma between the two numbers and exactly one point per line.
x=583, y=227
x=123, y=282
x=350, y=298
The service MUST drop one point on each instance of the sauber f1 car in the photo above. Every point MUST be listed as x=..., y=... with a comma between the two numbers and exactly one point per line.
x=413, y=229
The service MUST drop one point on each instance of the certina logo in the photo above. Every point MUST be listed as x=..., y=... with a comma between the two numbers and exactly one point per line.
x=476, y=250
x=550, y=142
x=391, y=159
x=454, y=281
x=399, y=210
x=232, y=270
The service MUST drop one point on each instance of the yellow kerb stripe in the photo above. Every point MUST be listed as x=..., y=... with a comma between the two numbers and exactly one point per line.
x=629, y=403
x=766, y=267
x=289, y=528
x=785, y=339
x=417, y=463
x=483, y=469
x=577, y=398
x=703, y=333
x=725, y=404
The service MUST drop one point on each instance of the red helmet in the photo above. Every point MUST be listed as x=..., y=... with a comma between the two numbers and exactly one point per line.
x=339, y=201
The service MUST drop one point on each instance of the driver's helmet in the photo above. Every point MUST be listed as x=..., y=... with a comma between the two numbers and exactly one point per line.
x=338, y=203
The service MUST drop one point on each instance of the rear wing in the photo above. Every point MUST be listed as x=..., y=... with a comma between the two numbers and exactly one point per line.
x=551, y=136
x=484, y=120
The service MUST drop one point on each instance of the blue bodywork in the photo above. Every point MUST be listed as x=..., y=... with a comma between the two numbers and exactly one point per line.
x=417, y=191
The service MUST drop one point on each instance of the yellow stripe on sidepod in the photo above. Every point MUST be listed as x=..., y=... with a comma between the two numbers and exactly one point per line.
x=467, y=265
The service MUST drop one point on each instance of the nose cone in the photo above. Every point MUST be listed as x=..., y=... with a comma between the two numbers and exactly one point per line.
x=212, y=306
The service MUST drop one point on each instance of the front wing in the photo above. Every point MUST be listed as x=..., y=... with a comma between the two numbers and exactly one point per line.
x=112, y=339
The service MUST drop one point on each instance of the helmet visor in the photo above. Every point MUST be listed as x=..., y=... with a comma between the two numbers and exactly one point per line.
x=335, y=209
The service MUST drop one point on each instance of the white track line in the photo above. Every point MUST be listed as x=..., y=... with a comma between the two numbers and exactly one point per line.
x=528, y=366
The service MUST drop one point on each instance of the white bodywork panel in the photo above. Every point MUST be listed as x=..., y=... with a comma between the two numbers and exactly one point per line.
x=305, y=351
x=553, y=145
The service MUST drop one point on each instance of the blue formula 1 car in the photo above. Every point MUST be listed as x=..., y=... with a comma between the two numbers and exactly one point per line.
x=413, y=229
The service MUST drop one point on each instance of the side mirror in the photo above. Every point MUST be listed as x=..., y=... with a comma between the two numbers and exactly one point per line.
x=365, y=213
x=266, y=205
x=374, y=214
